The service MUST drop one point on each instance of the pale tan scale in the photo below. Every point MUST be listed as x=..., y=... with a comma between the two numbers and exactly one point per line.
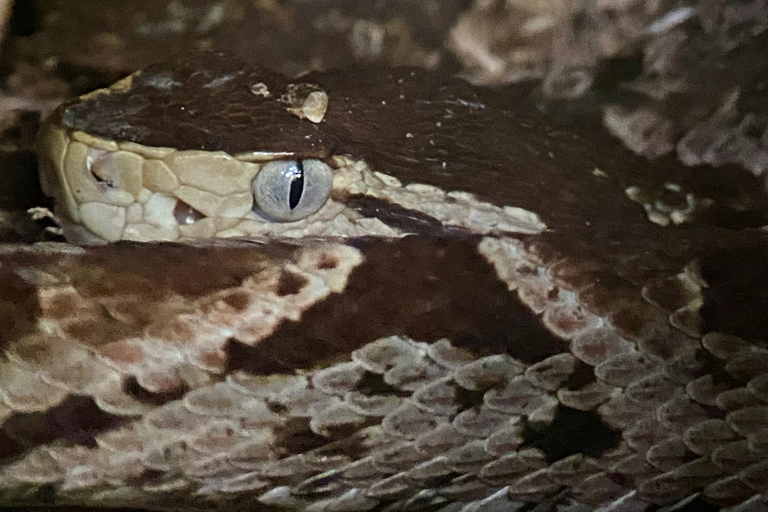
x=214, y=172
x=723, y=346
x=120, y=169
x=23, y=390
x=158, y=211
x=508, y=467
x=141, y=232
x=148, y=152
x=706, y=390
x=144, y=195
x=655, y=389
x=488, y=372
x=570, y=319
x=438, y=397
x=41, y=467
x=134, y=213
x=339, y=379
x=204, y=228
x=434, y=468
x=573, y=469
x=201, y=200
x=78, y=169
x=551, y=373
x=588, y=397
x=440, y=439
x=158, y=177
x=537, y=482
x=735, y=399
x=703, y=438
x=234, y=206
x=93, y=141
x=334, y=417
x=759, y=387
x=520, y=397
x=104, y=220
x=479, y=422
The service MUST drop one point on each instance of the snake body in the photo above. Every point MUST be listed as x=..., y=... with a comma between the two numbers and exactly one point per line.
x=489, y=313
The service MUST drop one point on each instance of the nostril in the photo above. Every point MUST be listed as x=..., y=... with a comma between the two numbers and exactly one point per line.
x=98, y=178
x=119, y=170
x=98, y=164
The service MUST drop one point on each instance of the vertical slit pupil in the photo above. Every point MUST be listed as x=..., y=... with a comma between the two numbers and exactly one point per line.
x=297, y=185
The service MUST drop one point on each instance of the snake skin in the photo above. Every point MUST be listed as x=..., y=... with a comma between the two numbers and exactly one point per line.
x=612, y=362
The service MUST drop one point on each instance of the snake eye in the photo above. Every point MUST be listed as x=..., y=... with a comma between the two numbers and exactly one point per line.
x=288, y=190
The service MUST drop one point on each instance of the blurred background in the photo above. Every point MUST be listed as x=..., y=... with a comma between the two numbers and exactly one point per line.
x=685, y=79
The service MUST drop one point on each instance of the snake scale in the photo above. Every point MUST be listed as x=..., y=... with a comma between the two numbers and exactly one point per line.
x=377, y=289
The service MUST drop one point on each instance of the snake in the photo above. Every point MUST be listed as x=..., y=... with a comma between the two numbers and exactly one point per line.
x=377, y=289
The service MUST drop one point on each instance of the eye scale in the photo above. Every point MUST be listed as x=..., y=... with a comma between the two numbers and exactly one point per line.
x=290, y=190
x=297, y=185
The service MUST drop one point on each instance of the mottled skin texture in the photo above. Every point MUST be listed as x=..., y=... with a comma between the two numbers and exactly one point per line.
x=606, y=362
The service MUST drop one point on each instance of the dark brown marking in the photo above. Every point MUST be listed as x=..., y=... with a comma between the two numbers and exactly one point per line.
x=19, y=307
x=582, y=375
x=440, y=481
x=238, y=300
x=290, y=283
x=698, y=505
x=397, y=217
x=373, y=384
x=132, y=387
x=148, y=476
x=46, y=494
x=276, y=407
x=468, y=399
x=425, y=288
x=76, y=420
x=327, y=262
x=174, y=267
x=296, y=437
x=736, y=298
x=571, y=432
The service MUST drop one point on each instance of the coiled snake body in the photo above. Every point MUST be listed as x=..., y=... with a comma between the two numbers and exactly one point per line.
x=481, y=312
